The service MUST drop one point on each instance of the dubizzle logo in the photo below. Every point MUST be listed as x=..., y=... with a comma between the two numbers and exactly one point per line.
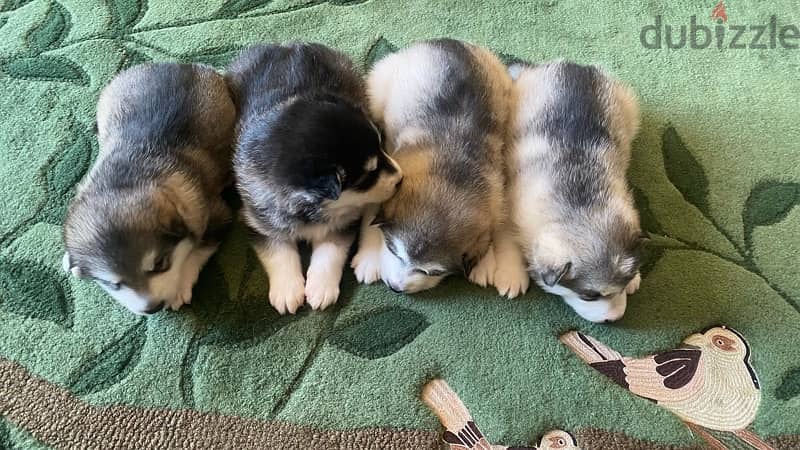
x=768, y=36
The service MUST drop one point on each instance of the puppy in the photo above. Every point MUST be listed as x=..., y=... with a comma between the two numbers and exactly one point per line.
x=571, y=201
x=444, y=107
x=308, y=161
x=149, y=214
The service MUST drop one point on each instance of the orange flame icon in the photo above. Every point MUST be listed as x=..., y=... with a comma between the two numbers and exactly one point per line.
x=719, y=13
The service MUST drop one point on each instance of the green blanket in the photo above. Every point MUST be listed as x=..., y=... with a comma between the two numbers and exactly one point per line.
x=715, y=170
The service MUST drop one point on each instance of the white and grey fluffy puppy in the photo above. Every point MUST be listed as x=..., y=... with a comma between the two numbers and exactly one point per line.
x=308, y=162
x=149, y=214
x=444, y=106
x=577, y=221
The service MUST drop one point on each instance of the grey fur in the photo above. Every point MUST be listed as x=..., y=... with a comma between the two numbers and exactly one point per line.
x=165, y=133
x=446, y=127
x=586, y=120
x=304, y=161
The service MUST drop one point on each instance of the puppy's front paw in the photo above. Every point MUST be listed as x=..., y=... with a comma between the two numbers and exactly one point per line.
x=633, y=285
x=367, y=266
x=483, y=273
x=510, y=278
x=184, y=296
x=287, y=294
x=322, y=289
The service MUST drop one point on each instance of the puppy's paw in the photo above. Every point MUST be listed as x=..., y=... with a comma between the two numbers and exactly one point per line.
x=483, y=272
x=322, y=289
x=184, y=296
x=287, y=294
x=510, y=278
x=633, y=285
x=367, y=265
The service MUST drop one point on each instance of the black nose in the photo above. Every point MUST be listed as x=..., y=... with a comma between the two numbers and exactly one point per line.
x=155, y=309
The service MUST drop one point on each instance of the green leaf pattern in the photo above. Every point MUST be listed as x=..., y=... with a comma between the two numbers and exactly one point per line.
x=51, y=31
x=112, y=364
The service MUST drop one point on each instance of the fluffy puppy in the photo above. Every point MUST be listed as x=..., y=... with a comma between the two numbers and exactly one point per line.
x=308, y=161
x=444, y=107
x=572, y=204
x=149, y=214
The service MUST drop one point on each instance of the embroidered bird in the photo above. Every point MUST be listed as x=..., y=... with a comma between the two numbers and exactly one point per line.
x=708, y=381
x=461, y=433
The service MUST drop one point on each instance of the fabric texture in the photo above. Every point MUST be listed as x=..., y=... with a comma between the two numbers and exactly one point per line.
x=715, y=170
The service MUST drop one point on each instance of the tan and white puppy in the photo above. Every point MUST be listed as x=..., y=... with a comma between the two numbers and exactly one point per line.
x=444, y=107
x=149, y=213
x=571, y=202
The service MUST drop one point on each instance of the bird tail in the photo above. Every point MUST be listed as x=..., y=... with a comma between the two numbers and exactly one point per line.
x=589, y=349
x=461, y=431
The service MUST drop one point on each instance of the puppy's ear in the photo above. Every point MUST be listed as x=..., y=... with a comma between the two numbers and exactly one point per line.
x=551, y=276
x=180, y=208
x=327, y=186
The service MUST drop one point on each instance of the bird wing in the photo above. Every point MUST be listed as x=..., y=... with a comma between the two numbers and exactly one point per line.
x=468, y=438
x=667, y=375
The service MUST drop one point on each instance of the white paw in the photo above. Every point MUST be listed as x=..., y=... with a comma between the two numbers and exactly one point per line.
x=184, y=296
x=510, y=278
x=367, y=266
x=633, y=285
x=483, y=273
x=287, y=294
x=322, y=289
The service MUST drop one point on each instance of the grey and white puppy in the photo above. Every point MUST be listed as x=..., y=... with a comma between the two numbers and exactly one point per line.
x=572, y=205
x=149, y=213
x=444, y=106
x=308, y=162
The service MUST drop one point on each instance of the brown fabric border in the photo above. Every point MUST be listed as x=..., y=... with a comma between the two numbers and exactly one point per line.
x=59, y=419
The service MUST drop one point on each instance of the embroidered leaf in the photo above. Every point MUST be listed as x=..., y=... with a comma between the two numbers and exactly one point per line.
x=684, y=171
x=769, y=203
x=34, y=291
x=379, y=333
x=378, y=50
x=51, y=31
x=64, y=172
x=47, y=68
x=10, y=5
x=651, y=255
x=647, y=219
x=125, y=14
x=233, y=8
x=218, y=58
x=112, y=364
x=132, y=57
x=790, y=386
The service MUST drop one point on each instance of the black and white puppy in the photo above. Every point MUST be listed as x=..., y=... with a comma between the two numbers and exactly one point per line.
x=572, y=205
x=308, y=161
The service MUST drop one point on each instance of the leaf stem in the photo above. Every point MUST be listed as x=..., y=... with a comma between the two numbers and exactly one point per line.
x=746, y=265
x=322, y=337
